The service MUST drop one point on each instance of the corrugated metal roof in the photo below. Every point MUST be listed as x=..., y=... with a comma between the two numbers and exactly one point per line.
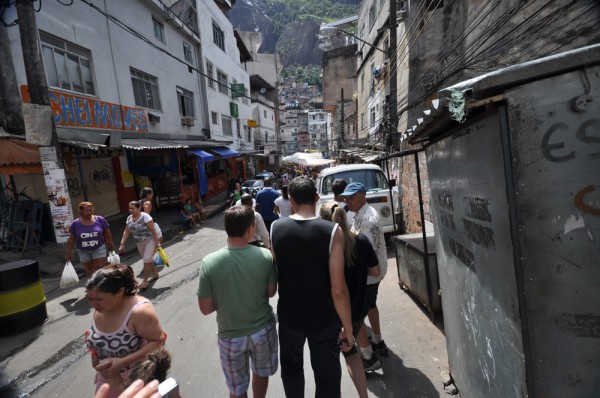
x=141, y=144
x=496, y=81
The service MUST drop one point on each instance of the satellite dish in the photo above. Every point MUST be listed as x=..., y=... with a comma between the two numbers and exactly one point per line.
x=263, y=90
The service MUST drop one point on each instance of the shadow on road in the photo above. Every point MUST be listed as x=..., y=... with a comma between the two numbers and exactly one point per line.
x=394, y=380
x=77, y=306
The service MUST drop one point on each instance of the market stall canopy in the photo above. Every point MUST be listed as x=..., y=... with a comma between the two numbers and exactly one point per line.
x=307, y=159
x=19, y=157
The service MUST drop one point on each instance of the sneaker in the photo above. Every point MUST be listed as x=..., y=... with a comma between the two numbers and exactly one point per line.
x=372, y=364
x=380, y=348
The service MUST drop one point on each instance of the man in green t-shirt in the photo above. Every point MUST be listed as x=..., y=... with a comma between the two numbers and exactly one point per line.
x=237, y=282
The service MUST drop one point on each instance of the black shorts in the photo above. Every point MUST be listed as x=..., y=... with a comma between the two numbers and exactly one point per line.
x=371, y=296
x=356, y=325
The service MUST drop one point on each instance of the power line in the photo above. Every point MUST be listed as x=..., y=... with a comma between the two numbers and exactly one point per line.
x=135, y=33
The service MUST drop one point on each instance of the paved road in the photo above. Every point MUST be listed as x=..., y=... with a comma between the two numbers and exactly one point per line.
x=51, y=362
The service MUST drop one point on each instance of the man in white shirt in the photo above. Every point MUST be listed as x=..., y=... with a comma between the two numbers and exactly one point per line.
x=366, y=220
x=261, y=233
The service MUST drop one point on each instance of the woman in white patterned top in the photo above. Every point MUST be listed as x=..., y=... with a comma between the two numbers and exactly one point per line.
x=141, y=226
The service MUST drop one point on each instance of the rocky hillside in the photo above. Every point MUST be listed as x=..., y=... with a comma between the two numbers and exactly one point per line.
x=290, y=27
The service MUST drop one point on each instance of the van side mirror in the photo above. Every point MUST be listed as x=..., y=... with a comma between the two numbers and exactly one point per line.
x=392, y=183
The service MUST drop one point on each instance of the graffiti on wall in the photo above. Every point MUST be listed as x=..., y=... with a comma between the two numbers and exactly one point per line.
x=79, y=111
x=560, y=152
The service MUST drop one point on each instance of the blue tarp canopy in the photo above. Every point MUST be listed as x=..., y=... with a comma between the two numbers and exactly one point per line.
x=205, y=156
x=225, y=152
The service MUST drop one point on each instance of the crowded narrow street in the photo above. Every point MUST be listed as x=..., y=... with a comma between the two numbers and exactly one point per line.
x=51, y=361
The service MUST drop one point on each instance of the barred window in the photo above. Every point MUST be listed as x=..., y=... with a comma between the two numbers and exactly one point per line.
x=159, y=30
x=145, y=90
x=210, y=73
x=218, y=36
x=222, y=79
x=67, y=65
x=226, y=121
x=187, y=53
x=185, y=99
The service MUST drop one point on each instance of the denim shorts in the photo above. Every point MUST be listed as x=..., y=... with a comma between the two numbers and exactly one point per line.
x=85, y=256
x=260, y=349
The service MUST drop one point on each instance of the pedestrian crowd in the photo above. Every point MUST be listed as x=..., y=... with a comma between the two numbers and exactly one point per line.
x=326, y=265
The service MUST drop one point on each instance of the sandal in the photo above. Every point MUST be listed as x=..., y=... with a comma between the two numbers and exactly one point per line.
x=143, y=287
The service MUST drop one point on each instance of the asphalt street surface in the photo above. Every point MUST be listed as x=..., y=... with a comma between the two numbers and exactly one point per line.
x=51, y=361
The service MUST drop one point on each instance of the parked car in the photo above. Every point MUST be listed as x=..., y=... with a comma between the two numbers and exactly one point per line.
x=252, y=186
x=265, y=174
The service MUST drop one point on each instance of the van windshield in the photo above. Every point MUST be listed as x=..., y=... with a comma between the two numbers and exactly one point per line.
x=373, y=180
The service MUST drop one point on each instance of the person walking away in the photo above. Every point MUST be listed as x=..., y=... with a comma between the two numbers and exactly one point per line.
x=241, y=278
x=141, y=226
x=265, y=203
x=366, y=220
x=125, y=327
x=360, y=261
x=313, y=297
x=261, y=235
x=283, y=207
x=92, y=235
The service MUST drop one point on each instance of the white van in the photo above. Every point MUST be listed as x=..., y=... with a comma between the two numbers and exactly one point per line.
x=372, y=177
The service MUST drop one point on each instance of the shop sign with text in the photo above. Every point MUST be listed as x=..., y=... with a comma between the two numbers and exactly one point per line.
x=79, y=111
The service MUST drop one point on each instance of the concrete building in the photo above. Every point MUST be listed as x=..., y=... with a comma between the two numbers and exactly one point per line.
x=142, y=96
x=110, y=90
x=263, y=70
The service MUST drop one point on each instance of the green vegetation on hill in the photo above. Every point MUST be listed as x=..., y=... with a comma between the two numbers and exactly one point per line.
x=310, y=74
x=282, y=12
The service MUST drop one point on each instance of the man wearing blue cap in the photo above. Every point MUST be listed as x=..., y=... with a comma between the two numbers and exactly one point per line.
x=366, y=220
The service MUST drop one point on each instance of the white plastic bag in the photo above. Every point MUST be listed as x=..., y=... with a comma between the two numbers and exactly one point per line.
x=69, y=276
x=114, y=258
x=157, y=229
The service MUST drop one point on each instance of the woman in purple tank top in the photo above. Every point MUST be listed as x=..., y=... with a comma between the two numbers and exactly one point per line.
x=93, y=237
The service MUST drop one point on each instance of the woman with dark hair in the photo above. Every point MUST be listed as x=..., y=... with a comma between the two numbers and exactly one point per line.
x=146, y=195
x=141, y=226
x=125, y=327
x=92, y=235
x=283, y=207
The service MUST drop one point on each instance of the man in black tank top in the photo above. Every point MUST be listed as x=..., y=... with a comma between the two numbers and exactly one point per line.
x=313, y=297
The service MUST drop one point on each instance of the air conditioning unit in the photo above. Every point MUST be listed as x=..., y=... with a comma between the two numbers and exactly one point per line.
x=153, y=118
x=187, y=121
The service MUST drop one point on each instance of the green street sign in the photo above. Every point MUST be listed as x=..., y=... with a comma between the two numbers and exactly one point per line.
x=237, y=90
x=233, y=109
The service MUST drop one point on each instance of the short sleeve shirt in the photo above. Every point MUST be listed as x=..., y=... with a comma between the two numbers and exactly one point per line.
x=89, y=237
x=366, y=220
x=139, y=229
x=236, y=279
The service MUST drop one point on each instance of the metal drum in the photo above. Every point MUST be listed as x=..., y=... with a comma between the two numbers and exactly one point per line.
x=22, y=299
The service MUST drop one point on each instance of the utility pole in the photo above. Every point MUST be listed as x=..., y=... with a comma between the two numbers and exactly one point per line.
x=342, y=120
x=51, y=156
x=11, y=111
x=393, y=64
